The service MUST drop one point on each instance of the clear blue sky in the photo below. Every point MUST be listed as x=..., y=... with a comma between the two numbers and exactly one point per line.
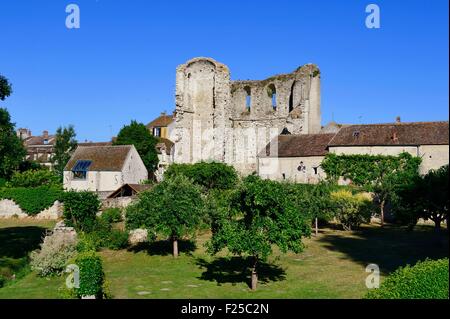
x=120, y=65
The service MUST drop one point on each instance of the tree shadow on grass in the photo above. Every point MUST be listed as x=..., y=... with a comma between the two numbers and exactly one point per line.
x=236, y=270
x=390, y=246
x=164, y=247
x=17, y=242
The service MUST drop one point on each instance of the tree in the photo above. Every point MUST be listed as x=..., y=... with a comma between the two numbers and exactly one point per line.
x=172, y=208
x=426, y=198
x=138, y=135
x=12, y=151
x=209, y=175
x=65, y=144
x=5, y=88
x=382, y=175
x=261, y=214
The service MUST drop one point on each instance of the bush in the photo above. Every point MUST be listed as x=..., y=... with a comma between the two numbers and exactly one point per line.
x=117, y=239
x=87, y=242
x=112, y=215
x=80, y=210
x=32, y=200
x=351, y=210
x=2, y=281
x=426, y=280
x=55, y=251
x=35, y=178
x=212, y=175
x=91, y=275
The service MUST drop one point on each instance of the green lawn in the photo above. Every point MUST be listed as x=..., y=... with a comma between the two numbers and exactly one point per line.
x=332, y=266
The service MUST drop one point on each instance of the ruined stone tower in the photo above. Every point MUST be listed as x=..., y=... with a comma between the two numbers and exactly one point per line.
x=232, y=121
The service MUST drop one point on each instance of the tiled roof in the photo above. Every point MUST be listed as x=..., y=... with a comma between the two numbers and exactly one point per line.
x=104, y=158
x=161, y=121
x=40, y=140
x=415, y=133
x=164, y=143
x=300, y=145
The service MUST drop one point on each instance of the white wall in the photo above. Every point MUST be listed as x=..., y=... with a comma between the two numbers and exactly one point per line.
x=134, y=170
x=273, y=168
x=433, y=157
x=373, y=150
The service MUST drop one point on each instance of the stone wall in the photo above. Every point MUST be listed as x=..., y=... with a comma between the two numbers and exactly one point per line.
x=9, y=209
x=231, y=121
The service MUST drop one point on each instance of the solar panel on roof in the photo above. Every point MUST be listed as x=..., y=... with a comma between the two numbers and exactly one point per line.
x=81, y=166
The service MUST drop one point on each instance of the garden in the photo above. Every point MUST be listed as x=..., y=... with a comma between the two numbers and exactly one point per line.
x=213, y=234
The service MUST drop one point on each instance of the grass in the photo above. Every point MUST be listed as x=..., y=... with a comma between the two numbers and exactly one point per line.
x=332, y=266
x=17, y=239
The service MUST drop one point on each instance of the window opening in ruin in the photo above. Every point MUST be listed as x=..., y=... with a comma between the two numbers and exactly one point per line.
x=315, y=170
x=248, y=98
x=272, y=91
x=291, y=98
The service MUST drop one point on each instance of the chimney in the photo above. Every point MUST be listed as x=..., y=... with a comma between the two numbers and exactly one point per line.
x=163, y=113
x=45, y=134
x=398, y=119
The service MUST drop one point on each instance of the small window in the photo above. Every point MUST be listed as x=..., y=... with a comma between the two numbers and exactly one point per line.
x=284, y=176
x=356, y=134
x=157, y=131
x=315, y=170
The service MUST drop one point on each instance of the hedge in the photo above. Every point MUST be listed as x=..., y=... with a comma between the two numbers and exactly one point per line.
x=92, y=276
x=426, y=280
x=32, y=200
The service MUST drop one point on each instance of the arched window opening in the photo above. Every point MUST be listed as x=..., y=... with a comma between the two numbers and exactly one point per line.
x=248, y=98
x=291, y=98
x=272, y=92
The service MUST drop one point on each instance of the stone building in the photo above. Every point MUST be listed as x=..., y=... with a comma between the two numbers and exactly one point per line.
x=40, y=148
x=231, y=121
x=298, y=157
x=103, y=169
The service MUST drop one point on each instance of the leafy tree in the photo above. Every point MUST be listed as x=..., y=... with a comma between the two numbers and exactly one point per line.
x=12, y=151
x=80, y=210
x=426, y=197
x=5, y=88
x=35, y=178
x=172, y=208
x=138, y=135
x=65, y=145
x=382, y=175
x=260, y=215
x=351, y=210
x=209, y=175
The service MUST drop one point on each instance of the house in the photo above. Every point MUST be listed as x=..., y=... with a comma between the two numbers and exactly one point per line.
x=40, y=148
x=129, y=190
x=161, y=126
x=103, y=169
x=298, y=157
x=164, y=148
x=295, y=157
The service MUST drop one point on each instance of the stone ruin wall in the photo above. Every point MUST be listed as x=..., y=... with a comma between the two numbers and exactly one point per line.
x=215, y=122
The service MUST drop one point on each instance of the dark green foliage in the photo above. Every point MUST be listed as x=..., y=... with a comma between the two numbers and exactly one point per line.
x=425, y=197
x=112, y=215
x=138, y=135
x=65, y=145
x=12, y=151
x=425, y=280
x=32, y=200
x=117, y=239
x=2, y=182
x=211, y=175
x=2, y=281
x=80, y=209
x=35, y=178
x=91, y=274
x=5, y=88
x=260, y=214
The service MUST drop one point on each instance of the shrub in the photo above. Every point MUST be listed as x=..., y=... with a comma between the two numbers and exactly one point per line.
x=55, y=251
x=35, y=178
x=80, y=210
x=91, y=275
x=211, y=175
x=112, y=215
x=351, y=210
x=87, y=242
x=2, y=281
x=426, y=280
x=32, y=200
x=117, y=239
